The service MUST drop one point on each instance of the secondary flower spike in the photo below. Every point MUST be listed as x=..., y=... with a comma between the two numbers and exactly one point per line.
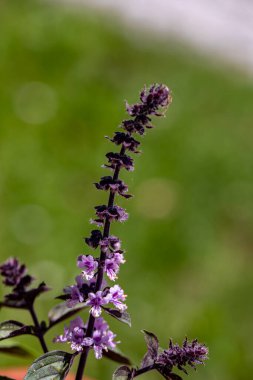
x=191, y=353
x=14, y=274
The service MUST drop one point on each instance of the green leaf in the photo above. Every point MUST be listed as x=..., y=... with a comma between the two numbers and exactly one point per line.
x=61, y=312
x=122, y=373
x=53, y=363
x=9, y=329
x=15, y=350
x=116, y=356
x=121, y=316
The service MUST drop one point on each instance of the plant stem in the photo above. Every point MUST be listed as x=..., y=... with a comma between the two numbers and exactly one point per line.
x=39, y=333
x=100, y=276
x=139, y=372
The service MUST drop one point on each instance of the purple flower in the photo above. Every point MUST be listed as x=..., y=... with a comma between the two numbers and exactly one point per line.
x=88, y=264
x=119, y=160
x=115, y=296
x=191, y=353
x=155, y=97
x=101, y=324
x=152, y=99
x=118, y=258
x=102, y=338
x=112, y=213
x=114, y=185
x=103, y=341
x=96, y=300
x=112, y=265
x=111, y=268
x=75, y=335
x=121, y=138
x=95, y=238
x=79, y=292
x=13, y=272
x=110, y=243
x=135, y=109
x=134, y=126
x=75, y=295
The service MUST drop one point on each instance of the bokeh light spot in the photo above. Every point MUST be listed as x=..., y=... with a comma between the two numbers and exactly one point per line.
x=50, y=272
x=35, y=103
x=156, y=198
x=30, y=224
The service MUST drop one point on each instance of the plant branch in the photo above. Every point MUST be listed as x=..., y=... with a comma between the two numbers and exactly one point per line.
x=39, y=333
x=140, y=371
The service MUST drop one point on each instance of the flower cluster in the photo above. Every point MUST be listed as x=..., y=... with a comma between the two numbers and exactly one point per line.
x=75, y=334
x=154, y=101
x=114, y=185
x=14, y=275
x=90, y=287
x=111, y=213
x=114, y=295
x=191, y=353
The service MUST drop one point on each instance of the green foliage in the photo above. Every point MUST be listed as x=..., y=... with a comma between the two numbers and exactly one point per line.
x=189, y=258
x=10, y=329
x=54, y=363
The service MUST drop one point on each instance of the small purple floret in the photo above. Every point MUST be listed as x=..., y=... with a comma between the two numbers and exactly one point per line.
x=95, y=238
x=112, y=265
x=88, y=264
x=111, y=243
x=114, y=185
x=129, y=143
x=114, y=213
x=119, y=160
x=79, y=292
x=116, y=295
x=96, y=300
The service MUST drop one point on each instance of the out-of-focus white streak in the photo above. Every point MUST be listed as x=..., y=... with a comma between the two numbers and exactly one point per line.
x=220, y=27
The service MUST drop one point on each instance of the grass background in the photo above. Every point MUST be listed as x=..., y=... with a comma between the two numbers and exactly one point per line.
x=64, y=75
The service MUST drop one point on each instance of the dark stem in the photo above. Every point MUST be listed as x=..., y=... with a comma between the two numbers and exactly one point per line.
x=139, y=372
x=39, y=333
x=100, y=276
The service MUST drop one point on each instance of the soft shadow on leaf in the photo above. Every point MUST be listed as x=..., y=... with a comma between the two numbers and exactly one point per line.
x=15, y=350
x=116, y=356
x=9, y=329
x=61, y=312
x=53, y=363
x=121, y=316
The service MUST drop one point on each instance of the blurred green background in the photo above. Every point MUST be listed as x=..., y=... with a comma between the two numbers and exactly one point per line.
x=64, y=76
